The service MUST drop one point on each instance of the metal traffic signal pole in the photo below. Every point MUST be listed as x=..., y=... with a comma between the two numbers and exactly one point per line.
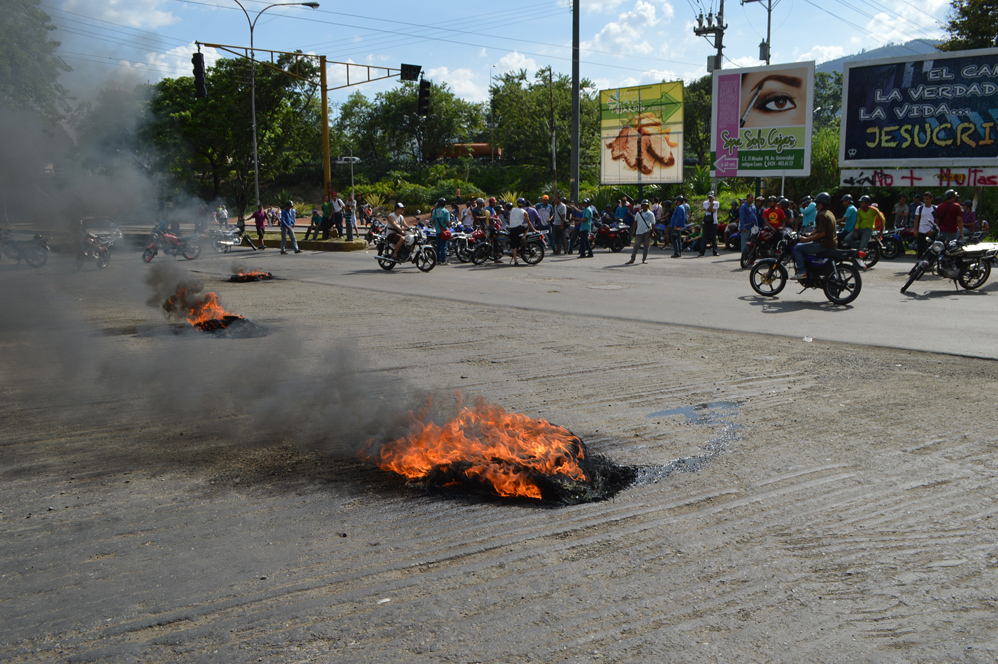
x=576, y=114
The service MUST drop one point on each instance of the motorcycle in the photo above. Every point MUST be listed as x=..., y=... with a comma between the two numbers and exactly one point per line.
x=967, y=265
x=496, y=245
x=414, y=249
x=98, y=248
x=34, y=252
x=896, y=243
x=224, y=240
x=613, y=236
x=836, y=272
x=461, y=243
x=869, y=255
x=765, y=242
x=188, y=246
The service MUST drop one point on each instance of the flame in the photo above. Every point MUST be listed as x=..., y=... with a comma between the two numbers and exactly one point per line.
x=485, y=444
x=200, y=308
x=254, y=274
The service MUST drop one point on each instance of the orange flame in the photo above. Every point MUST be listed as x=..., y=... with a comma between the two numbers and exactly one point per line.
x=485, y=444
x=200, y=308
x=260, y=274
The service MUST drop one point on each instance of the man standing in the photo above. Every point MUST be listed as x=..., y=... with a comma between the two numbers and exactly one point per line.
x=822, y=239
x=441, y=222
x=711, y=208
x=949, y=217
x=260, y=219
x=480, y=215
x=901, y=212
x=338, y=214
x=288, y=227
x=559, y=222
x=644, y=223
x=808, y=213
x=747, y=220
x=327, y=217
x=545, y=212
x=924, y=223
x=676, y=226
x=585, y=246
x=350, y=216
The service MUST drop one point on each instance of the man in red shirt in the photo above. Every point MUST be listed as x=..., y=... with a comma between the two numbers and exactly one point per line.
x=773, y=215
x=949, y=217
x=260, y=219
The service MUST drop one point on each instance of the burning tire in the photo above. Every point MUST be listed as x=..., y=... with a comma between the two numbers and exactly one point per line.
x=148, y=255
x=191, y=251
x=426, y=259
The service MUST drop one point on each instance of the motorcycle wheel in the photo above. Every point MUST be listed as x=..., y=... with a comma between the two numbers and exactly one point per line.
x=892, y=248
x=616, y=244
x=872, y=256
x=148, y=255
x=103, y=259
x=768, y=278
x=191, y=250
x=913, y=276
x=219, y=247
x=480, y=254
x=974, y=274
x=384, y=263
x=462, y=252
x=10, y=251
x=844, y=288
x=426, y=259
x=748, y=258
x=35, y=256
x=532, y=253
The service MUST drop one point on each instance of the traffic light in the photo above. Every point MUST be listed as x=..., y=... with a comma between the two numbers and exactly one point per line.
x=410, y=72
x=200, y=88
x=423, y=105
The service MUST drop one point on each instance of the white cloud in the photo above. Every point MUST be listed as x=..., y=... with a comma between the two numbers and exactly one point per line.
x=463, y=82
x=144, y=14
x=822, y=54
x=173, y=64
x=744, y=61
x=628, y=34
x=515, y=61
x=483, y=53
x=901, y=27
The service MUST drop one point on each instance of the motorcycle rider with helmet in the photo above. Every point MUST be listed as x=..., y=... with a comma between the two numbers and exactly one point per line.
x=822, y=239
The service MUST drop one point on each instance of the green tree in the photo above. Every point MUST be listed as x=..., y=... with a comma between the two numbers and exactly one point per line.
x=827, y=99
x=971, y=24
x=29, y=64
x=697, y=119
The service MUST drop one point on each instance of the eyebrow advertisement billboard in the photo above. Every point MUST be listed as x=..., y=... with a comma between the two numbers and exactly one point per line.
x=761, y=121
x=641, y=134
x=937, y=110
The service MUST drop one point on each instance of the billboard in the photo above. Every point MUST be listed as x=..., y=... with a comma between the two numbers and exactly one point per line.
x=641, y=134
x=761, y=121
x=935, y=110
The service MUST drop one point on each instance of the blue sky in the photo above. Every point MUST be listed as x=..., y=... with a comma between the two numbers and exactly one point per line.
x=624, y=42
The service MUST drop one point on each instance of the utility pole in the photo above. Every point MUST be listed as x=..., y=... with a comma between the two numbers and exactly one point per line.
x=554, y=160
x=767, y=46
x=576, y=113
x=715, y=29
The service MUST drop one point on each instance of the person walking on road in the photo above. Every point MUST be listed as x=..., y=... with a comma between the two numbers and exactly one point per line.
x=925, y=223
x=711, y=207
x=441, y=222
x=288, y=227
x=260, y=219
x=644, y=224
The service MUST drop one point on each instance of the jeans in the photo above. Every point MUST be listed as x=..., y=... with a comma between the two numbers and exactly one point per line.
x=441, y=248
x=327, y=224
x=809, y=248
x=864, y=239
x=946, y=237
x=338, y=222
x=285, y=232
x=676, y=236
x=709, y=238
x=585, y=247
x=744, y=234
x=558, y=239
x=642, y=239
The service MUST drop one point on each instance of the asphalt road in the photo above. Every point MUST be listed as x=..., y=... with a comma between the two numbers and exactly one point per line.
x=708, y=292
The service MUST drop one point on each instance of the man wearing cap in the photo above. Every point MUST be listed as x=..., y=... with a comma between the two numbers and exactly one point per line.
x=710, y=209
x=644, y=223
x=676, y=225
x=288, y=227
x=544, y=212
x=337, y=214
x=586, y=247
x=480, y=215
x=849, y=218
x=441, y=222
x=396, y=228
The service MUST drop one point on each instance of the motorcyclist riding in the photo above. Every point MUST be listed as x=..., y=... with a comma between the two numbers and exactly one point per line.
x=821, y=240
x=396, y=228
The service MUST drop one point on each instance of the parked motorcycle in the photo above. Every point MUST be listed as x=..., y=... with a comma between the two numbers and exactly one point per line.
x=188, y=246
x=96, y=248
x=837, y=273
x=613, y=236
x=967, y=265
x=414, y=250
x=225, y=239
x=496, y=245
x=34, y=252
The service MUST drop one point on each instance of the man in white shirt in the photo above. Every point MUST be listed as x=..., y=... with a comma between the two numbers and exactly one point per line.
x=925, y=222
x=644, y=223
x=519, y=220
x=544, y=213
x=558, y=225
x=338, y=206
x=710, y=210
x=396, y=228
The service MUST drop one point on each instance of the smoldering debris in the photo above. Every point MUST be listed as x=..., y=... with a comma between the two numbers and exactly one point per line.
x=188, y=300
x=242, y=275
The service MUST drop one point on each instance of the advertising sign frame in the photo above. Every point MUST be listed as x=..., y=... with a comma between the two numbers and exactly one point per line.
x=641, y=134
x=753, y=132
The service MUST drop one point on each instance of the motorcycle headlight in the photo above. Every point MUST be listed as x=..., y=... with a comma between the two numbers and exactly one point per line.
x=937, y=247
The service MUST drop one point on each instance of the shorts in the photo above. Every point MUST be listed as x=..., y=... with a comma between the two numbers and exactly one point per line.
x=515, y=236
x=393, y=237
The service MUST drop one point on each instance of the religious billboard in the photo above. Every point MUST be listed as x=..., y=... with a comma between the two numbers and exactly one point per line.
x=761, y=121
x=935, y=110
x=641, y=134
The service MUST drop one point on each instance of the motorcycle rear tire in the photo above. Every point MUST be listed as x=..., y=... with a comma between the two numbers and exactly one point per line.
x=872, y=255
x=748, y=258
x=462, y=252
x=148, y=255
x=913, y=276
x=219, y=247
x=480, y=254
x=103, y=259
x=892, y=248
x=426, y=259
x=35, y=256
x=383, y=262
x=844, y=288
x=617, y=244
x=532, y=252
x=191, y=251
x=768, y=278
x=974, y=275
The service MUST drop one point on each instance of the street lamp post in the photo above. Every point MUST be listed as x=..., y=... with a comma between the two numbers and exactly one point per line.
x=252, y=25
